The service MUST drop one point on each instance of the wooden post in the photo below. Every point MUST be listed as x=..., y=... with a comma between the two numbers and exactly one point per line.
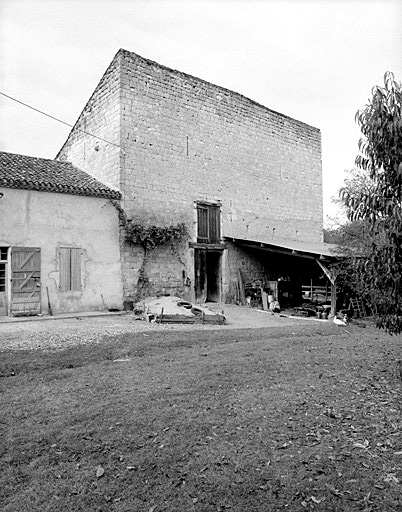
x=242, y=292
x=264, y=297
x=333, y=285
x=333, y=298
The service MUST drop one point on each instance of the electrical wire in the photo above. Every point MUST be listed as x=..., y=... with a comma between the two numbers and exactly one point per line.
x=58, y=120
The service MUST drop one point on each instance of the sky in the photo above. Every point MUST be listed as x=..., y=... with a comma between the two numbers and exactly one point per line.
x=313, y=60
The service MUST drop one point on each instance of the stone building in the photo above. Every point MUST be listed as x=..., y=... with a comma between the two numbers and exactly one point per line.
x=245, y=180
x=59, y=239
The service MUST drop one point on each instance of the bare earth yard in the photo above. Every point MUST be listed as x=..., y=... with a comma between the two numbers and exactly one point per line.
x=111, y=414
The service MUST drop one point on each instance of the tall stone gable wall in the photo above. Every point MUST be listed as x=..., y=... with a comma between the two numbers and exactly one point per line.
x=101, y=117
x=185, y=140
x=182, y=140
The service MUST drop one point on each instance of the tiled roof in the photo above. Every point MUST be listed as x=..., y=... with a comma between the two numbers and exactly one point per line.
x=30, y=173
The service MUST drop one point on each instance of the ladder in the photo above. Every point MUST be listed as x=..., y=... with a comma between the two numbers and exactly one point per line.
x=358, y=307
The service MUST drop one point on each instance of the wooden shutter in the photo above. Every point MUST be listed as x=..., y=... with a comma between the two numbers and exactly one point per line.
x=64, y=268
x=208, y=223
x=70, y=269
x=214, y=224
x=202, y=223
x=75, y=269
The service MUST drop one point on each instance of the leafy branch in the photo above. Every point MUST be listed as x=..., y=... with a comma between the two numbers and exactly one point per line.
x=149, y=236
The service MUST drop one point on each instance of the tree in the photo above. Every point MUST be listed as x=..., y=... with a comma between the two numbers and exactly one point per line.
x=353, y=239
x=380, y=203
x=352, y=242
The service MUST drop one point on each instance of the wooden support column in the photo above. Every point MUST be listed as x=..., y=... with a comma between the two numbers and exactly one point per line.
x=333, y=298
x=332, y=280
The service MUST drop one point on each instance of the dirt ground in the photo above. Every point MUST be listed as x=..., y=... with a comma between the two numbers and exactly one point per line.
x=62, y=331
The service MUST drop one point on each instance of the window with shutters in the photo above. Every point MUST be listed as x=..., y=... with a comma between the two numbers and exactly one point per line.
x=208, y=223
x=70, y=269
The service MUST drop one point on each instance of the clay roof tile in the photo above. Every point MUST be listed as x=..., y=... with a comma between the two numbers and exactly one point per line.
x=27, y=172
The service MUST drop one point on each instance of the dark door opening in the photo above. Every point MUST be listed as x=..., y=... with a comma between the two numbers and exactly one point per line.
x=207, y=275
x=213, y=276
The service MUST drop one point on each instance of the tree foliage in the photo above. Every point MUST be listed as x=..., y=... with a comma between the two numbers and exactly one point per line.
x=357, y=185
x=351, y=240
x=379, y=202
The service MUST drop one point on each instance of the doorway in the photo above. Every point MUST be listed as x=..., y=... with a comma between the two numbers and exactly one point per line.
x=25, y=283
x=208, y=275
x=3, y=281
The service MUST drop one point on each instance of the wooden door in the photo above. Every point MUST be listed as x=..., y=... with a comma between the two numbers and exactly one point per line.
x=3, y=280
x=3, y=296
x=25, y=281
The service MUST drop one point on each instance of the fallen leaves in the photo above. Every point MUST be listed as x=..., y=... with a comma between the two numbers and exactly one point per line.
x=363, y=446
x=334, y=491
x=316, y=500
x=336, y=441
x=391, y=478
x=313, y=499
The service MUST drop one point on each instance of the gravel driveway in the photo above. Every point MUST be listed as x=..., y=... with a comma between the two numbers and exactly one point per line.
x=55, y=333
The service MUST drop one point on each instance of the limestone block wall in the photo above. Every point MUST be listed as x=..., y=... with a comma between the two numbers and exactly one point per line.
x=167, y=271
x=252, y=264
x=185, y=139
x=182, y=140
x=99, y=117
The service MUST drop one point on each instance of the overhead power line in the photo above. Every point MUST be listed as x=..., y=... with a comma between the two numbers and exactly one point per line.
x=58, y=120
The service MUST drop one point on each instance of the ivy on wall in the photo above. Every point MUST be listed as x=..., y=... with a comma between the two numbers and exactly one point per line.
x=152, y=236
x=149, y=237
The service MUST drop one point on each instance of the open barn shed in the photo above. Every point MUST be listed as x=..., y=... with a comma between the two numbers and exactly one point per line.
x=293, y=272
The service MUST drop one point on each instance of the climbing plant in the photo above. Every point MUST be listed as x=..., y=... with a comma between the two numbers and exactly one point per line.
x=150, y=237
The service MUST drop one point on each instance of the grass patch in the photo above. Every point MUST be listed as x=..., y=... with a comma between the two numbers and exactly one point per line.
x=301, y=418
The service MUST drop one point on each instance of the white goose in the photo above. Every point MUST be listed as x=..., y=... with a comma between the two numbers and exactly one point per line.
x=338, y=321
